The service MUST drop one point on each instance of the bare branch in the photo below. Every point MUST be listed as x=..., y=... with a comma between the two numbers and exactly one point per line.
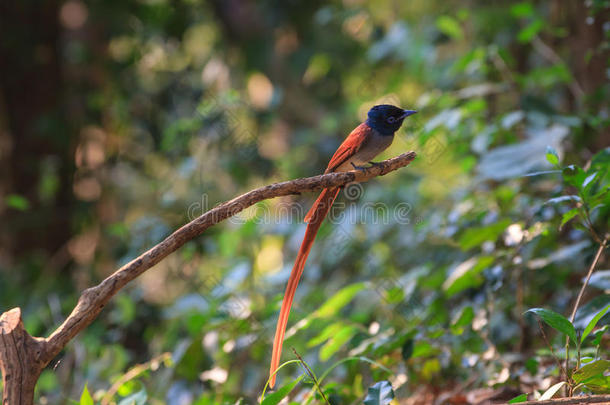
x=601, y=248
x=134, y=372
x=93, y=300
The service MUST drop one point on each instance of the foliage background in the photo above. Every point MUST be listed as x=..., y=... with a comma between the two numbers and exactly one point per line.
x=121, y=120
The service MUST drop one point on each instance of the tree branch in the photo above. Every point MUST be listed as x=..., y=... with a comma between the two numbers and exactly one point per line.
x=93, y=300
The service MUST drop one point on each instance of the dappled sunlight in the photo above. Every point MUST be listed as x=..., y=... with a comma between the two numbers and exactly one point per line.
x=270, y=256
x=260, y=90
x=73, y=14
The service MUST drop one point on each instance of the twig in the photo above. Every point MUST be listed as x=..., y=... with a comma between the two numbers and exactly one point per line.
x=33, y=356
x=133, y=373
x=601, y=248
x=550, y=346
x=549, y=53
x=311, y=374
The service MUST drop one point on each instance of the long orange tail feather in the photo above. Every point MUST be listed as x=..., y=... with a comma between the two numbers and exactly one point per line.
x=315, y=216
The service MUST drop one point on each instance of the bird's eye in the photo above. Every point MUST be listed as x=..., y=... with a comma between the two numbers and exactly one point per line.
x=391, y=120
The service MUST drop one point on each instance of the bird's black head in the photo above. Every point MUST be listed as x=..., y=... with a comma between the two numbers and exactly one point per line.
x=386, y=118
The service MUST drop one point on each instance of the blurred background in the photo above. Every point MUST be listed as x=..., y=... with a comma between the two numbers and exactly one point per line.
x=122, y=120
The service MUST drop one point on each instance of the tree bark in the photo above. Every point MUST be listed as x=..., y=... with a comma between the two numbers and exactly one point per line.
x=21, y=359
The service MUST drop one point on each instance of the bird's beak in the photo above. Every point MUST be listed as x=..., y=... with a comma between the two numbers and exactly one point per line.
x=406, y=113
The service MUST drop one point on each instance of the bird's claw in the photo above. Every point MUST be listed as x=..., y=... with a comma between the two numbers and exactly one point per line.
x=361, y=168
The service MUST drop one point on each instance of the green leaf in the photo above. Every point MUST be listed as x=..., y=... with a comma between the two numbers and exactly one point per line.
x=17, y=202
x=574, y=176
x=552, y=391
x=85, y=398
x=587, y=312
x=477, y=54
x=128, y=388
x=599, y=384
x=467, y=275
x=449, y=26
x=552, y=156
x=388, y=344
x=531, y=365
x=326, y=334
x=599, y=199
x=590, y=370
x=594, y=321
x=424, y=349
x=520, y=10
x=192, y=361
x=476, y=236
x=568, y=216
x=407, y=349
x=348, y=359
x=517, y=399
x=276, y=397
x=337, y=341
x=379, y=394
x=139, y=398
x=556, y=321
x=528, y=33
x=394, y=295
x=464, y=318
x=335, y=303
x=601, y=159
x=599, y=334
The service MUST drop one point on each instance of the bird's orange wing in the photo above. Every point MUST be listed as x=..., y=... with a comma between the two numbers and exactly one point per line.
x=350, y=146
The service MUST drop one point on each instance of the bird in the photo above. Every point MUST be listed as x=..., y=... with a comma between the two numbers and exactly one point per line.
x=363, y=144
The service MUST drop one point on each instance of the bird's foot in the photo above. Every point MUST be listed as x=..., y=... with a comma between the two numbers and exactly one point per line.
x=361, y=168
x=376, y=164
